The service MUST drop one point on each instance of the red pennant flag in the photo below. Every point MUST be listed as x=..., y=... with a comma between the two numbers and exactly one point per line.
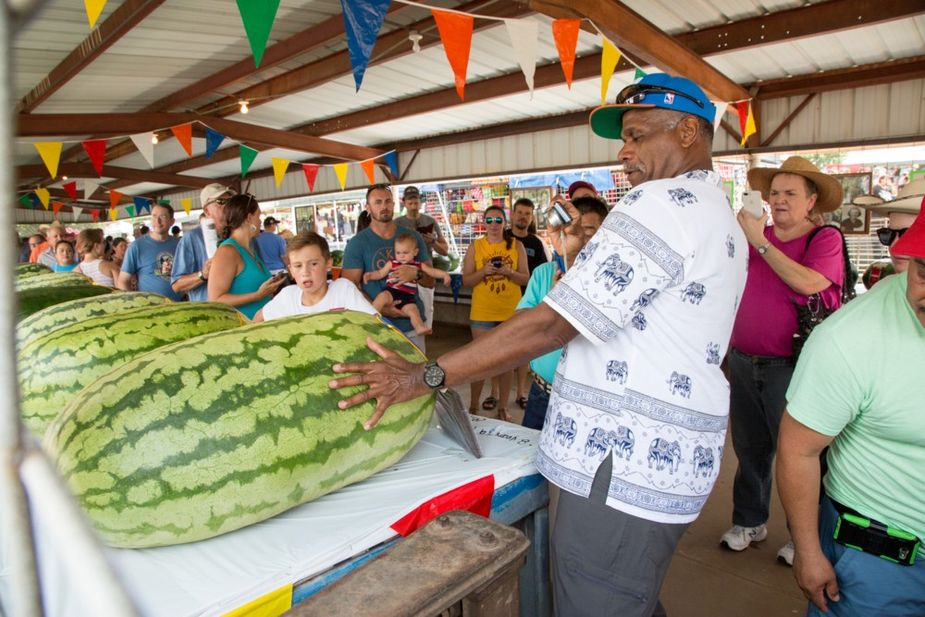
x=96, y=150
x=565, y=33
x=114, y=197
x=369, y=167
x=742, y=110
x=95, y=215
x=71, y=189
x=311, y=172
x=56, y=207
x=456, y=34
x=184, y=134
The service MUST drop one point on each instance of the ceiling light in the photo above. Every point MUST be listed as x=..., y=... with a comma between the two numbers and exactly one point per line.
x=153, y=138
x=415, y=37
x=64, y=177
x=243, y=105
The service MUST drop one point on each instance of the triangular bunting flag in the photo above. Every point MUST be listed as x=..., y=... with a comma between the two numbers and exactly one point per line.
x=56, y=208
x=187, y=204
x=258, y=17
x=95, y=215
x=70, y=188
x=340, y=170
x=184, y=134
x=524, y=34
x=25, y=201
x=114, y=197
x=565, y=33
x=639, y=74
x=456, y=34
x=311, y=172
x=720, y=112
x=89, y=188
x=247, y=156
x=145, y=144
x=130, y=210
x=750, y=128
x=50, y=151
x=36, y=202
x=113, y=214
x=279, y=169
x=141, y=203
x=96, y=150
x=391, y=159
x=164, y=202
x=43, y=196
x=369, y=166
x=76, y=211
x=213, y=140
x=94, y=8
x=610, y=57
x=362, y=22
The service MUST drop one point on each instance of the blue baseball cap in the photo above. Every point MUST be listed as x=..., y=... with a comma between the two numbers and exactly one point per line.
x=658, y=90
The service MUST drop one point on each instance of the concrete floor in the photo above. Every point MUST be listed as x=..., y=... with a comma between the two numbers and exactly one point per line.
x=704, y=580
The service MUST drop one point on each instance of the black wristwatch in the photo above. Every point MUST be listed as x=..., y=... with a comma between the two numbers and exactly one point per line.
x=434, y=376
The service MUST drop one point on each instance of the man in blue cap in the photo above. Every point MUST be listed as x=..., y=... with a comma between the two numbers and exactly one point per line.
x=638, y=411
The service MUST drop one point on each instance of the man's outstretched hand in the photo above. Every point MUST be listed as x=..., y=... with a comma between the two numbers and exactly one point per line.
x=390, y=380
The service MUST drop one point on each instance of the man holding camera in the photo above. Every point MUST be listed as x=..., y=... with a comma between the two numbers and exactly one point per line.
x=639, y=405
x=858, y=386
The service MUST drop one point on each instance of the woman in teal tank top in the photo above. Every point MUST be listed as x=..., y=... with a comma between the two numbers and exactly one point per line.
x=237, y=276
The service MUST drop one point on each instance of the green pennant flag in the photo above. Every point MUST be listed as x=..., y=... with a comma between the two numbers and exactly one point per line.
x=639, y=74
x=130, y=210
x=247, y=156
x=164, y=202
x=26, y=201
x=258, y=17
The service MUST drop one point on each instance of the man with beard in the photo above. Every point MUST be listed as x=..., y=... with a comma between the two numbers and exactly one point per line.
x=372, y=248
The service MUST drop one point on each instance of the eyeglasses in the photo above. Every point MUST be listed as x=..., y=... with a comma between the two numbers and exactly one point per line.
x=888, y=236
x=161, y=217
x=494, y=219
x=636, y=93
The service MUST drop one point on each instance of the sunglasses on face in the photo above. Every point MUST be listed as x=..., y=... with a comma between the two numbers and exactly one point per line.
x=494, y=219
x=636, y=93
x=888, y=236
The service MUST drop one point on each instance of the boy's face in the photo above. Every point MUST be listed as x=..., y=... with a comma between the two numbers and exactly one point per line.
x=405, y=251
x=64, y=254
x=309, y=268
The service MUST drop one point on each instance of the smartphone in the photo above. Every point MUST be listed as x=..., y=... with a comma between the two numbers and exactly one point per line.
x=751, y=203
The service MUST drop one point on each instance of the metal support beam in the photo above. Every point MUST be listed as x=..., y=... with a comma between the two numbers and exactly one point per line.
x=841, y=79
x=793, y=114
x=82, y=170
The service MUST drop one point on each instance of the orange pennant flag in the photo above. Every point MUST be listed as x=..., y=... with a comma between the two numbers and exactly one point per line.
x=369, y=166
x=114, y=197
x=187, y=204
x=184, y=134
x=50, y=151
x=44, y=195
x=340, y=169
x=456, y=34
x=56, y=207
x=750, y=128
x=565, y=33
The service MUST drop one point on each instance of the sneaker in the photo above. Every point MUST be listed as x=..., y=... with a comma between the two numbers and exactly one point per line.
x=785, y=554
x=739, y=538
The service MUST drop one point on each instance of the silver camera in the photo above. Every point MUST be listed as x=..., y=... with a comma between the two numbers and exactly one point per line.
x=557, y=215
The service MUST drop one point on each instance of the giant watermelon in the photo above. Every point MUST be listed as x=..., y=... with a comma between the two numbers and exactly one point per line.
x=53, y=368
x=209, y=435
x=51, y=279
x=31, y=301
x=24, y=270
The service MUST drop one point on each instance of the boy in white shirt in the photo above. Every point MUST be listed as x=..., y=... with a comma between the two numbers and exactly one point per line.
x=309, y=263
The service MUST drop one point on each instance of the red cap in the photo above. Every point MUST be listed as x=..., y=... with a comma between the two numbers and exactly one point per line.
x=579, y=184
x=912, y=244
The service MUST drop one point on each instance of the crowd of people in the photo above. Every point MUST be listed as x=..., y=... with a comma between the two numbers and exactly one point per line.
x=648, y=328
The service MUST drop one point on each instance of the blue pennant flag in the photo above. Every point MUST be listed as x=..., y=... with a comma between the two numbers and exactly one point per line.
x=362, y=22
x=36, y=202
x=391, y=159
x=142, y=204
x=213, y=140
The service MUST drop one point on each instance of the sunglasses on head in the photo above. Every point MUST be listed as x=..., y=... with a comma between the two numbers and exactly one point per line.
x=888, y=236
x=494, y=219
x=636, y=93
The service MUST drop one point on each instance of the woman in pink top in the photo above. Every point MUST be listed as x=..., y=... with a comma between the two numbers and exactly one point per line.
x=784, y=267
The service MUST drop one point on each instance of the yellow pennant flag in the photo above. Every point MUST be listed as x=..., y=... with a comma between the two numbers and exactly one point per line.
x=750, y=128
x=94, y=8
x=187, y=204
x=43, y=196
x=340, y=169
x=113, y=214
x=610, y=57
x=279, y=170
x=50, y=151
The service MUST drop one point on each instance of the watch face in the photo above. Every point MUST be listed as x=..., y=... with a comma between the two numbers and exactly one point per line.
x=433, y=375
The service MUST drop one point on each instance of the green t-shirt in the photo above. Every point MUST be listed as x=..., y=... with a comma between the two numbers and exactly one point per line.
x=540, y=283
x=860, y=378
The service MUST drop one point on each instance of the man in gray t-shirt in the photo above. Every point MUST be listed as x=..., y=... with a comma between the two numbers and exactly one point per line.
x=433, y=236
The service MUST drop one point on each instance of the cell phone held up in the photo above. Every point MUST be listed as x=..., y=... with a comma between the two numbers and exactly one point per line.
x=751, y=203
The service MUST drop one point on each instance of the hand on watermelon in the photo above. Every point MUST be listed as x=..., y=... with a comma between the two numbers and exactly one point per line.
x=391, y=380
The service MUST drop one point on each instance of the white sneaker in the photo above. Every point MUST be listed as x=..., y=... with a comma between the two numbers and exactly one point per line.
x=785, y=554
x=739, y=538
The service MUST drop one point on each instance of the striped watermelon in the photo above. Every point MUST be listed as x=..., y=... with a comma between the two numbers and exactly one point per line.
x=212, y=434
x=74, y=311
x=52, y=279
x=27, y=270
x=31, y=301
x=53, y=368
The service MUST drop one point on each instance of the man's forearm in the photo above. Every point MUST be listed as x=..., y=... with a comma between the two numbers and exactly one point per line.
x=187, y=282
x=441, y=246
x=526, y=335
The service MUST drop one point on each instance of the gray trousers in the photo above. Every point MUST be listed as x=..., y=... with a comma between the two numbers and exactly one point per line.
x=606, y=562
x=758, y=388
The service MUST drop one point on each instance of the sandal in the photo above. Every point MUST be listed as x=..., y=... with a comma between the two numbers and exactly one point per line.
x=504, y=416
x=489, y=403
x=521, y=402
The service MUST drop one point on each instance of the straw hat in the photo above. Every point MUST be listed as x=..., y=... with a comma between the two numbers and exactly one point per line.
x=909, y=199
x=830, y=190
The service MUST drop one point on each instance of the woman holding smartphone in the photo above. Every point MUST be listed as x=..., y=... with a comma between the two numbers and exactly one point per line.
x=495, y=267
x=238, y=276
